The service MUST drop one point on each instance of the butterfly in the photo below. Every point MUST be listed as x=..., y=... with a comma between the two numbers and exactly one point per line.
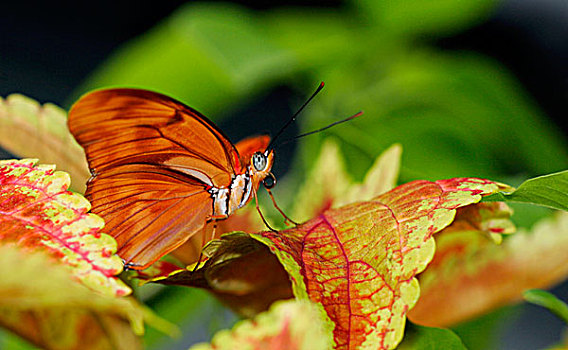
x=161, y=171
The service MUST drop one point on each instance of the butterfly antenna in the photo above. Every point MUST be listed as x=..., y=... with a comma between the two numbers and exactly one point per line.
x=324, y=128
x=291, y=120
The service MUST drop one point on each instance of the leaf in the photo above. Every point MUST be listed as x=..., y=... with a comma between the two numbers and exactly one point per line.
x=470, y=275
x=28, y=129
x=485, y=332
x=358, y=261
x=549, y=191
x=442, y=103
x=293, y=325
x=240, y=271
x=549, y=301
x=38, y=213
x=429, y=338
x=433, y=17
x=41, y=301
x=329, y=185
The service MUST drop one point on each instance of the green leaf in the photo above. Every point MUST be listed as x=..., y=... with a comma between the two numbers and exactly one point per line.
x=453, y=115
x=430, y=338
x=548, y=190
x=329, y=185
x=472, y=267
x=549, y=301
x=427, y=17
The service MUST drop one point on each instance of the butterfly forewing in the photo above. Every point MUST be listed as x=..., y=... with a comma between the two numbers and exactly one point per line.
x=153, y=161
x=125, y=126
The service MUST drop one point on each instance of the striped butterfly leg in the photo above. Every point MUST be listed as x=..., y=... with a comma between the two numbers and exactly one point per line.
x=287, y=220
x=260, y=213
x=268, y=183
x=211, y=221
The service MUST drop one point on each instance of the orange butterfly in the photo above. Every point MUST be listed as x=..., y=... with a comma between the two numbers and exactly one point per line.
x=161, y=171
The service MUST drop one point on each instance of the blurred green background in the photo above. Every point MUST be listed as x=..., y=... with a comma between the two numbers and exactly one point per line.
x=469, y=88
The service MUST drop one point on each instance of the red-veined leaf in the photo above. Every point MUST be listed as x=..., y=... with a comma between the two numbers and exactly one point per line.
x=37, y=212
x=290, y=325
x=28, y=129
x=358, y=262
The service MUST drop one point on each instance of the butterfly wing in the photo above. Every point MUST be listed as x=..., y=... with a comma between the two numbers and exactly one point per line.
x=153, y=160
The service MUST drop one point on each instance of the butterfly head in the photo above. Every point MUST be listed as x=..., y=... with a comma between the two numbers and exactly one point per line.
x=259, y=170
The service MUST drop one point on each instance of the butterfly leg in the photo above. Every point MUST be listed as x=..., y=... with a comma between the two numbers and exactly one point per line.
x=287, y=220
x=205, y=238
x=260, y=213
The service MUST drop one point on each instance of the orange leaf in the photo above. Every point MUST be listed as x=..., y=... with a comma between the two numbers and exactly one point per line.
x=472, y=275
x=37, y=212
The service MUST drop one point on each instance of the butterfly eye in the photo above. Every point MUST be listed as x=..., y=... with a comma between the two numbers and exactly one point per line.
x=269, y=181
x=259, y=161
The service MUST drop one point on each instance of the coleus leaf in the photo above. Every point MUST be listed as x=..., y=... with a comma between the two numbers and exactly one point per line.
x=293, y=325
x=549, y=190
x=28, y=129
x=329, y=185
x=38, y=213
x=470, y=275
x=358, y=262
x=41, y=302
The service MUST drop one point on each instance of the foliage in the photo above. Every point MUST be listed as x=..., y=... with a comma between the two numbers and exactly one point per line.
x=455, y=114
x=33, y=131
x=459, y=111
x=39, y=213
x=554, y=185
x=293, y=325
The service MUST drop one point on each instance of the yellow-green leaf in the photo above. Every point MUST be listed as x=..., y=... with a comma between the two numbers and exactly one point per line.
x=42, y=302
x=28, y=129
x=290, y=325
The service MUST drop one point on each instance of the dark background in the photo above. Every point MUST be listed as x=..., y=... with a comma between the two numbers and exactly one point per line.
x=47, y=49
